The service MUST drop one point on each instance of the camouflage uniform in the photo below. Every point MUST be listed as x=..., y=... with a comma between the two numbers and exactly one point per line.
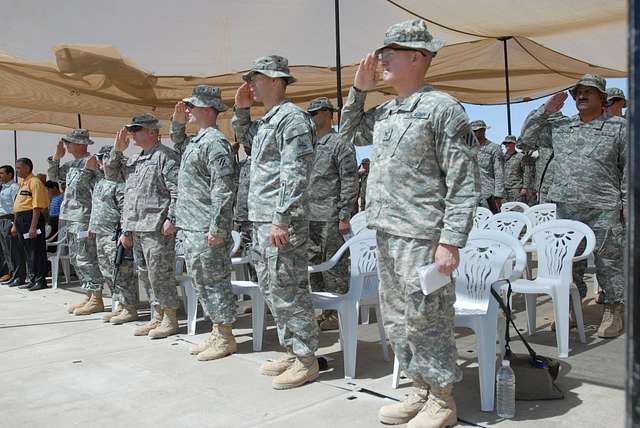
x=430, y=198
x=206, y=193
x=362, y=190
x=515, y=177
x=529, y=177
x=150, y=193
x=282, y=149
x=589, y=185
x=334, y=183
x=76, y=212
x=106, y=209
x=491, y=164
x=241, y=212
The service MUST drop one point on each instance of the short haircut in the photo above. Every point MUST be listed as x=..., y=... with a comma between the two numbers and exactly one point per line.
x=8, y=169
x=27, y=162
x=51, y=185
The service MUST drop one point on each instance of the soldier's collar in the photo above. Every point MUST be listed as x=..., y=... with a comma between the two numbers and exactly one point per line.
x=268, y=115
x=409, y=103
x=326, y=137
x=145, y=154
x=596, y=123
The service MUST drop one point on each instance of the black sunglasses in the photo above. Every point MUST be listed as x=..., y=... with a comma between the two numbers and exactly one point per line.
x=189, y=105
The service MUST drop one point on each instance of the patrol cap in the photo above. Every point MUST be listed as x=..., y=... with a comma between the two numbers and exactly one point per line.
x=509, y=139
x=412, y=34
x=78, y=136
x=144, y=120
x=478, y=124
x=614, y=94
x=206, y=96
x=272, y=66
x=592, y=80
x=320, y=104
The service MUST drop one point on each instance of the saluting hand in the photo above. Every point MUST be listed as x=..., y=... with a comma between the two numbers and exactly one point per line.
x=555, y=103
x=180, y=113
x=244, y=98
x=60, y=151
x=92, y=163
x=122, y=140
x=367, y=74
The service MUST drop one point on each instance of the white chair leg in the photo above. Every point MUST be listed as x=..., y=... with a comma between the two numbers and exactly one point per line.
x=55, y=270
x=383, y=336
x=577, y=310
x=561, y=313
x=486, y=350
x=348, y=319
x=192, y=305
x=365, y=312
x=530, y=303
x=395, y=379
x=66, y=268
x=258, y=314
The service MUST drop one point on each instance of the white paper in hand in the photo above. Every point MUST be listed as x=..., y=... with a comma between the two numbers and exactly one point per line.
x=83, y=234
x=431, y=279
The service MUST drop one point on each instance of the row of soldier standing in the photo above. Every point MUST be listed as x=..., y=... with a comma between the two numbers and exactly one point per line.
x=423, y=189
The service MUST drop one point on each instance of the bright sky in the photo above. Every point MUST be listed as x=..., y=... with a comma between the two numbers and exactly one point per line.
x=38, y=146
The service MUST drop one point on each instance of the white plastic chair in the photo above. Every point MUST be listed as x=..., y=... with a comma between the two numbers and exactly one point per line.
x=541, y=213
x=358, y=223
x=363, y=290
x=556, y=244
x=189, y=296
x=519, y=207
x=511, y=222
x=61, y=256
x=482, y=214
x=482, y=263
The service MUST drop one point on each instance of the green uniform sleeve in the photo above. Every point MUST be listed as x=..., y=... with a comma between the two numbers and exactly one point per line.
x=356, y=125
x=223, y=187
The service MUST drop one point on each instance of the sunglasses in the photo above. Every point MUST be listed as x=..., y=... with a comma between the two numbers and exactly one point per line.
x=134, y=129
x=388, y=53
x=315, y=112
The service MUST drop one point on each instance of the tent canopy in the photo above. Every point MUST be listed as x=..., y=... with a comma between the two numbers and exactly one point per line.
x=550, y=45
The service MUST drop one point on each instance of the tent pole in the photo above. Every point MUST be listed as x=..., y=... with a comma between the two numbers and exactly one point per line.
x=15, y=146
x=506, y=80
x=79, y=121
x=338, y=61
x=632, y=253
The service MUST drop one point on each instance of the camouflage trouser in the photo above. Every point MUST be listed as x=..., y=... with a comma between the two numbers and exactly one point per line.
x=83, y=255
x=420, y=328
x=125, y=290
x=609, y=251
x=324, y=241
x=155, y=256
x=513, y=195
x=282, y=275
x=210, y=270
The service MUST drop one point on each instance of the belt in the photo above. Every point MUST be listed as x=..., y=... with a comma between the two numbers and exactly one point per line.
x=6, y=217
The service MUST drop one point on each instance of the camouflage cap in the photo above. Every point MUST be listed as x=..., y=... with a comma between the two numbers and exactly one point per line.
x=320, y=104
x=615, y=94
x=478, y=124
x=206, y=96
x=78, y=136
x=412, y=34
x=510, y=139
x=145, y=120
x=105, y=150
x=592, y=80
x=272, y=66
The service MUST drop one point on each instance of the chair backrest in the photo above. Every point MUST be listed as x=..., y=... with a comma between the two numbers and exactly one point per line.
x=364, y=265
x=519, y=207
x=556, y=245
x=358, y=222
x=482, y=263
x=512, y=223
x=541, y=213
x=482, y=214
x=237, y=241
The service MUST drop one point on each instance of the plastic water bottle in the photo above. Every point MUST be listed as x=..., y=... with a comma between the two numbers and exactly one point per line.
x=506, y=391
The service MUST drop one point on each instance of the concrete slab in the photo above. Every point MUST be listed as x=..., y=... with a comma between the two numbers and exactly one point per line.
x=60, y=370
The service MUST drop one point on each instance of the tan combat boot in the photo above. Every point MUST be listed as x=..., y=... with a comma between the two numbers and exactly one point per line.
x=438, y=412
x=612, y=324
x=73, y=306
x=127, y=314
x=303, y=370
x=144, y=330
x=224, y=343
x=168, y=326
x=404, y=411
x=279, y=366
x=330, y=321
x=94, y=305
x=109, y=315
